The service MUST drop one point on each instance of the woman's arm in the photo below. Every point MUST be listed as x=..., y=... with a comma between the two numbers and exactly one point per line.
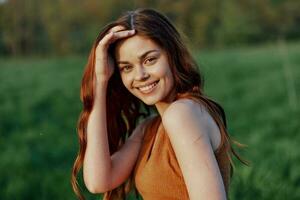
x=188, y=127
x=97, y=162
x=98, y=166
x=103, y=172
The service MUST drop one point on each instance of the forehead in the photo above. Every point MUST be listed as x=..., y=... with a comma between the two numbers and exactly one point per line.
x=134, y=46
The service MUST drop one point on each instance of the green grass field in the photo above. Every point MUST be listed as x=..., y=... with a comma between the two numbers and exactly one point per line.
x=258, y=88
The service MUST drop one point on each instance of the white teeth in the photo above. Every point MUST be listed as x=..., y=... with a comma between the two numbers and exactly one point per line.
x=148, y=87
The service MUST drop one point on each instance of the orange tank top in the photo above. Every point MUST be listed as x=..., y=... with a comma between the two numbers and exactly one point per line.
x=157, y=174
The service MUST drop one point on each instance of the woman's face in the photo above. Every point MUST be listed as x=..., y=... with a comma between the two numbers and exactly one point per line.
x=145, y=70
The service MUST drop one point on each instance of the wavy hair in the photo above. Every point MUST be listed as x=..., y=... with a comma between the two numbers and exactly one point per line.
x=123, y=117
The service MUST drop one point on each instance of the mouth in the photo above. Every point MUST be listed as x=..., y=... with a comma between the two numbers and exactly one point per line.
x=146, y=89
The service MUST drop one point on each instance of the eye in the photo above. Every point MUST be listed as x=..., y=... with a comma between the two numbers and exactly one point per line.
x=150, y=60
x=126, y=68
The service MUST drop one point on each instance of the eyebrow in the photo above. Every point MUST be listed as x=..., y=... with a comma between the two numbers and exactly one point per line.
x=140, y=57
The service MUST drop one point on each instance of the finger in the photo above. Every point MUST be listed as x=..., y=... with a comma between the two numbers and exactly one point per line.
x=121, y=34
x=113, y=36
x=116, y=29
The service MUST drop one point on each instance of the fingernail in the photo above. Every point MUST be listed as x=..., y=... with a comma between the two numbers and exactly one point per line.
x=132, y=31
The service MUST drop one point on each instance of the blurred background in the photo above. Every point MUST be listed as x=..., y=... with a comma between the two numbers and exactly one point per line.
x=248, y=51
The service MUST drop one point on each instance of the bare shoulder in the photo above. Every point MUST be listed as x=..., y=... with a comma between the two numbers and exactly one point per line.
x=186, y=114
x=182, y=108
x=138, y=132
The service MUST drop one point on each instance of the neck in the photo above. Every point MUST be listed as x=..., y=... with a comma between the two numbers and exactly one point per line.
x=163, y=105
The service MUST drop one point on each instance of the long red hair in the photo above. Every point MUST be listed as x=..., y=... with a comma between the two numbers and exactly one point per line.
x=123, y=116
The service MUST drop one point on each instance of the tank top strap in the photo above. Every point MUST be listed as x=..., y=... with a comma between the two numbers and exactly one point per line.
x=151, y=128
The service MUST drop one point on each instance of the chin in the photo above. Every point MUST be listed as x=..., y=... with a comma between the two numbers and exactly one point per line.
x=150, y=100
x=149, y=103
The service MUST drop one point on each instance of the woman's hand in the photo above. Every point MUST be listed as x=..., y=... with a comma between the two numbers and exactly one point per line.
x=103, y=62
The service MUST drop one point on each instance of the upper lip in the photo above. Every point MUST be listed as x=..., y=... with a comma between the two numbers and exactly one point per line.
x=144, y=85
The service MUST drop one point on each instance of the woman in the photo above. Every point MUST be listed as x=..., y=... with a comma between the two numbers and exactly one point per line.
x=183, y=151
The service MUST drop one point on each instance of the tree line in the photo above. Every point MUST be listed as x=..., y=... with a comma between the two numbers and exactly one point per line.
x=63, y=27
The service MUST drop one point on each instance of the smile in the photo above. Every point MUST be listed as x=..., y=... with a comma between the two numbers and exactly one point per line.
x=148, y=88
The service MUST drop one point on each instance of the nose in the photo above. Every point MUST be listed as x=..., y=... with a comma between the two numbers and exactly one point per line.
x=141, y=73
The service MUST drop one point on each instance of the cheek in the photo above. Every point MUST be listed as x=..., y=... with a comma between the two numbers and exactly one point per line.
x=126, y=81
x=166, y=72
x=169, y=77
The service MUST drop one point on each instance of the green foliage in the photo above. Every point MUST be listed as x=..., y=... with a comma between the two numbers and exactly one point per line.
x=70, y=26
x=252, y=86
x=39, y=108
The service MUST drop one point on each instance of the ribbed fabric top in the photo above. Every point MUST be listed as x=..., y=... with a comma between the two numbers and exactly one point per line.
x=157, y=174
